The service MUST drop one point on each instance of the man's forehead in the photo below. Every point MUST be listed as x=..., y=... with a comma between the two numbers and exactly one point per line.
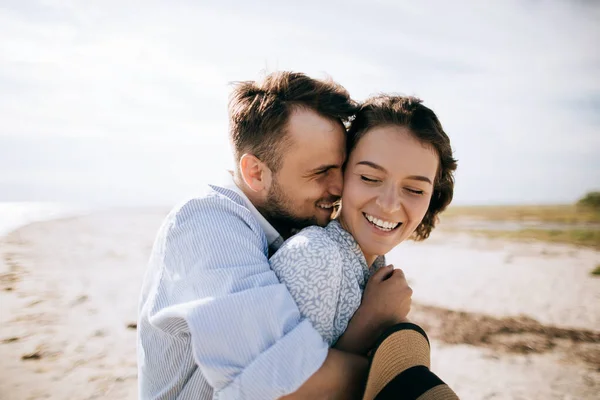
x=315, y=159
x=306, y=159
x=305, y=124
x=313, y=141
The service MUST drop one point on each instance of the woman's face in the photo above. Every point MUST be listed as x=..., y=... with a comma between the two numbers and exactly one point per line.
x=388, y=183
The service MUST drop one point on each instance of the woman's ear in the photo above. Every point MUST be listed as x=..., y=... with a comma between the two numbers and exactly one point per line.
x=255, y=173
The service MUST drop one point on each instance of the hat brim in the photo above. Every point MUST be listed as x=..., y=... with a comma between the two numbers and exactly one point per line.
x=399, y=367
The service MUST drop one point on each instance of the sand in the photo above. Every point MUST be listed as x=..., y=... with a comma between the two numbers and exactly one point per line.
x=507, y=320
x=548, y=282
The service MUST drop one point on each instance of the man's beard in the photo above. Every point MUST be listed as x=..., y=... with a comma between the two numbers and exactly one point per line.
x=277, y=210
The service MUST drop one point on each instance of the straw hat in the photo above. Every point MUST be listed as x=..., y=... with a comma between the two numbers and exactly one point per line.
x=400, y=367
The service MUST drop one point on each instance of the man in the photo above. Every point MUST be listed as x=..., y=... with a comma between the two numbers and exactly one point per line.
x=214, y=320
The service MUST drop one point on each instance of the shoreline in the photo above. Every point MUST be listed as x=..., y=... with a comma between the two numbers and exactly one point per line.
x=18, y=214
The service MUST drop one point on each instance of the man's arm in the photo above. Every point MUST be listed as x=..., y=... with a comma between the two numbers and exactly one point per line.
x=247, y=336
x=342, y=376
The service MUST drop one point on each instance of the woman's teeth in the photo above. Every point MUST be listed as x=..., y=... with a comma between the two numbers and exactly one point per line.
x=386, y=226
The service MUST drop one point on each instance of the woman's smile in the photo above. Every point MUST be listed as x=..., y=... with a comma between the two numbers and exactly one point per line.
x=382, y=225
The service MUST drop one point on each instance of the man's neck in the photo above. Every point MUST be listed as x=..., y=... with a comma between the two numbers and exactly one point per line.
x=251, y=195
x=283, y=230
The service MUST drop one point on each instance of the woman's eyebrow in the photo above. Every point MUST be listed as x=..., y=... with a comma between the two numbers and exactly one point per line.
x=380, y=168
x=372, y=165
x=420, y=178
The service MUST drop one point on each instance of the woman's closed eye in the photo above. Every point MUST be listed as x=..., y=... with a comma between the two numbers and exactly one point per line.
x=415, y=191
x=368, y=179
x=373, y=180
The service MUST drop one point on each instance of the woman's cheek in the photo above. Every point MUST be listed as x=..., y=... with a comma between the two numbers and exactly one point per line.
x=415, y=209
x=422, y=208
x=352, y=192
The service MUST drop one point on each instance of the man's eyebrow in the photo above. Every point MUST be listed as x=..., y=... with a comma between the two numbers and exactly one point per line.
x=380, y=168
x=322, y=168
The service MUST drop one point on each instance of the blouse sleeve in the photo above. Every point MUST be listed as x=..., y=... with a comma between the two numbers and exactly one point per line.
x=310, y=265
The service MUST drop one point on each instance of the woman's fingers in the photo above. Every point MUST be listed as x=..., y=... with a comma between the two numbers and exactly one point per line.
x=382, y=273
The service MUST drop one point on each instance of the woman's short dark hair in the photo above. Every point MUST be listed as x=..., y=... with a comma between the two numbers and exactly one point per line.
x=260, y=110
x=410, y=113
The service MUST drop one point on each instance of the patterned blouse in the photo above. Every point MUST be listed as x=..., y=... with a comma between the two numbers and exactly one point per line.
x=326, y=273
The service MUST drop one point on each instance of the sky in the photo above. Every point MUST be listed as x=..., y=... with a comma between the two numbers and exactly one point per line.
x=125, y=102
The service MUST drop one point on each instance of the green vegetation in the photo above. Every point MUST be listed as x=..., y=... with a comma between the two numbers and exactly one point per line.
x=591, y=201
x=596, y=271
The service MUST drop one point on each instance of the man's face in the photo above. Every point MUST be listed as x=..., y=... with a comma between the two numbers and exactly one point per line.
x=303, y=190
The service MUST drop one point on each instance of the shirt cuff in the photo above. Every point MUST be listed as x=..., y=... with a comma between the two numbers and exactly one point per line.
x=281, y=369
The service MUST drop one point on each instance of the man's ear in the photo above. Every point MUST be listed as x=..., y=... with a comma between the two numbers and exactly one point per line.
x=255, y=173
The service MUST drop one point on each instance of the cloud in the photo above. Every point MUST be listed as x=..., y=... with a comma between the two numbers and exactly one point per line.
x=515, y=85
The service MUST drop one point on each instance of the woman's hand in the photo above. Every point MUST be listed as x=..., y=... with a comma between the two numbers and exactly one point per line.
x=386, y=302
x=387, y=297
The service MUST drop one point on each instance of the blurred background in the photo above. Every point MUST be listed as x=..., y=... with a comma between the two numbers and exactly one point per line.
x=120, y=108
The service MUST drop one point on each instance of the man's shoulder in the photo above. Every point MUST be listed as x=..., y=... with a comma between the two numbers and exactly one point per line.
x=212, y=199
x=215, y=208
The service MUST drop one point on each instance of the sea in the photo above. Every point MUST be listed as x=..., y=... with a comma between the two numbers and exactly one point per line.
x=16, y=214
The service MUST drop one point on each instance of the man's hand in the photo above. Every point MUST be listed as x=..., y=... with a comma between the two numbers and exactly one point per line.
x=386, y=302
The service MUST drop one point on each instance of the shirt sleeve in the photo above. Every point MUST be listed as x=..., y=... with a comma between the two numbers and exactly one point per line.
x=310, y=265
x=215, y=284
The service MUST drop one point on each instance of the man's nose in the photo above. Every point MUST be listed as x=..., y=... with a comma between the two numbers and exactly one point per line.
x=336, y=182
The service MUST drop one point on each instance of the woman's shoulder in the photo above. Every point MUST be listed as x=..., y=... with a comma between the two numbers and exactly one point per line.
x=312, y=240
x=312, y=236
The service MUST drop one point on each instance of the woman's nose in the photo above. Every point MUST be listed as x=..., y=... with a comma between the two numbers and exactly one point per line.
x=389, y=201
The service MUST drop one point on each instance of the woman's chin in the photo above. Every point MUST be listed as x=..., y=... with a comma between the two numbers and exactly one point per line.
x=376, y=249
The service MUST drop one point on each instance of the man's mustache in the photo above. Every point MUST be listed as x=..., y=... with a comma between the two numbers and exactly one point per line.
x=335, y=200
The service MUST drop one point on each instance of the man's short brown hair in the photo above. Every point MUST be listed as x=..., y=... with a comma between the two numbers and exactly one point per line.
x=259, y=111
x=410, y=113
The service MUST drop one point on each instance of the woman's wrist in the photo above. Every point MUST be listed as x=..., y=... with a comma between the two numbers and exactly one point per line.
x=362, y=332
x=371, y=324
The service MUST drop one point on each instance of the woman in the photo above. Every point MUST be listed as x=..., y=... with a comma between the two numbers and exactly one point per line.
x=398, y=177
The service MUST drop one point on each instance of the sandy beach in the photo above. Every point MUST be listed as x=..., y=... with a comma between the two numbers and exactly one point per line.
x=508, y=320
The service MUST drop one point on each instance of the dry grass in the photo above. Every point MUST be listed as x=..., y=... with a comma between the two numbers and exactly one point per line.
x=573, y=218
x=579, y=237
x=567, y=214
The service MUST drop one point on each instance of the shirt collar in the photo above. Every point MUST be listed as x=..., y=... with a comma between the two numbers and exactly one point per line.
x=274, y=239
x=347, y=237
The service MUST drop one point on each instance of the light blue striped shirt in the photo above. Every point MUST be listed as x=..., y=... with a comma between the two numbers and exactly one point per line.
x=214, y=320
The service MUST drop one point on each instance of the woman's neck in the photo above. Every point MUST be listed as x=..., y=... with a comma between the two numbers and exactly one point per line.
x=370, y=259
